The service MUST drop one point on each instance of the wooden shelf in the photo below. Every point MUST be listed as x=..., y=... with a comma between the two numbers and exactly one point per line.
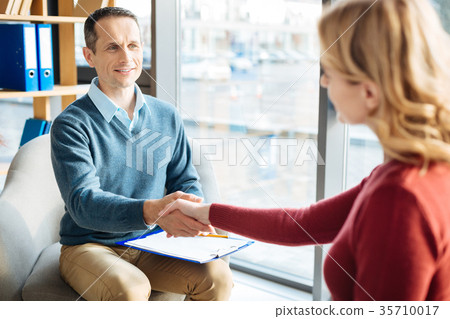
x=41, y=18
x=59, y=90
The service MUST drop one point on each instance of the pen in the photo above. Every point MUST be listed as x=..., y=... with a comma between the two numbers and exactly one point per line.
x=214, y=235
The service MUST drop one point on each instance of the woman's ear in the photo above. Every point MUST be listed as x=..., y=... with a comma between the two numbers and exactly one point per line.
x=371, y=95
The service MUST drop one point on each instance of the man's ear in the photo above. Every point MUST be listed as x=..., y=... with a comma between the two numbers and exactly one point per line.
x=371, y=95
x=88, y=56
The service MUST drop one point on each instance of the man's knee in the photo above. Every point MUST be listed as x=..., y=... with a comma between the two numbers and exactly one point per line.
x=139, y=293
x=216, y=283
x=223, y=281
x=131, y=289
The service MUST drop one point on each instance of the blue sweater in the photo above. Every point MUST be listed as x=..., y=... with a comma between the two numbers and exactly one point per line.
x=105, y=172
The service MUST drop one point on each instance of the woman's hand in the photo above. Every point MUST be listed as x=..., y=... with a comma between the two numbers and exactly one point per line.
x=176, y=224
x=198, y=211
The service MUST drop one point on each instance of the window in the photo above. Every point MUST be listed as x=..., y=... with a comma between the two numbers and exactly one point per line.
x=443, y=8
x=364, y=153
x=249, y=92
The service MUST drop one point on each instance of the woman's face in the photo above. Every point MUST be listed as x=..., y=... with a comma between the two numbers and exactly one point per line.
x=352, y=101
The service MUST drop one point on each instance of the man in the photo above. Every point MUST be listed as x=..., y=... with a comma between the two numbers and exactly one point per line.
x=114, y=151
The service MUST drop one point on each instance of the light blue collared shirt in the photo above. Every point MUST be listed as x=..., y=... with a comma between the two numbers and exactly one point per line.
x=109, y=109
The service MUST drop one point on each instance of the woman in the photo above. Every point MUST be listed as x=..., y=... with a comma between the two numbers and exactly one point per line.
x=385, y=65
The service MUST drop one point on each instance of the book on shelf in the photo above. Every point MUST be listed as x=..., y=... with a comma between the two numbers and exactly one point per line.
x=16, y=7
x=6, y=6
x=25, y=7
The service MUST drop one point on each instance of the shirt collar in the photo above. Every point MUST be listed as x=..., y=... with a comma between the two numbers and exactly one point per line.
x=106, y=106
x=140, y=102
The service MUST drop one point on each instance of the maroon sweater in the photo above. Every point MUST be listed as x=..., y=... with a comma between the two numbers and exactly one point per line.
x=390, y=234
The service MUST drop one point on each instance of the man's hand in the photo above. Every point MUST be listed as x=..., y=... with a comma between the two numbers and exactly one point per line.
x=192, y=209
x=175, y=224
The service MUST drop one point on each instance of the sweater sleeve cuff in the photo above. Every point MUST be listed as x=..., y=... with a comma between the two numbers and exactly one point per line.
x=136, y=220
x=220, y=215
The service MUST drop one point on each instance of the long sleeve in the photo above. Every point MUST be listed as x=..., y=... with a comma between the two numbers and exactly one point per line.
x=89, y=205
x=317, y=224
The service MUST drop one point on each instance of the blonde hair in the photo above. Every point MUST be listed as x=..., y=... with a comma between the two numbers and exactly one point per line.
x=401, y=46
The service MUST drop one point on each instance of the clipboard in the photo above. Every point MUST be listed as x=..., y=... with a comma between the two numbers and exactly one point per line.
x=198, y=249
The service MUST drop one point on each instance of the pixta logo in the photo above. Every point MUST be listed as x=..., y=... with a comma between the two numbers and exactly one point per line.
x=147, y=150
x=265, y=151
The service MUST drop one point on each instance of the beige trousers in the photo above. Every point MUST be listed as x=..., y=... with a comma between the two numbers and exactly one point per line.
x=99, y=272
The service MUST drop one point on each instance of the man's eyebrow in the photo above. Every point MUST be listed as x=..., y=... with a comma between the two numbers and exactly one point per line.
x=115, y=43
x=107, y=44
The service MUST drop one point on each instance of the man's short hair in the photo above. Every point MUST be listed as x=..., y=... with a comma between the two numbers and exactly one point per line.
x=90, y=36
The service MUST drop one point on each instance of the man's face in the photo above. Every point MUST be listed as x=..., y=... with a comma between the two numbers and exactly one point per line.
x=118, y=56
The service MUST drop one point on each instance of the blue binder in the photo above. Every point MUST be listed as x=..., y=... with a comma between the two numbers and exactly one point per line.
x=18, y=57
x=48, y=125
x=45, y=56
x=33, y=128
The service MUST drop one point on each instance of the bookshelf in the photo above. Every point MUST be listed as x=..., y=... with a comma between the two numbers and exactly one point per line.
x=39, y=18
x=68, y=87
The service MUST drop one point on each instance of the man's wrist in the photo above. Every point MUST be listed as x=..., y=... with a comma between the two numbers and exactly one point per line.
x=149, y=215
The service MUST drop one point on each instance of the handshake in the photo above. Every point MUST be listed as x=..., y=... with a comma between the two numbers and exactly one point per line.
x=179, y=214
